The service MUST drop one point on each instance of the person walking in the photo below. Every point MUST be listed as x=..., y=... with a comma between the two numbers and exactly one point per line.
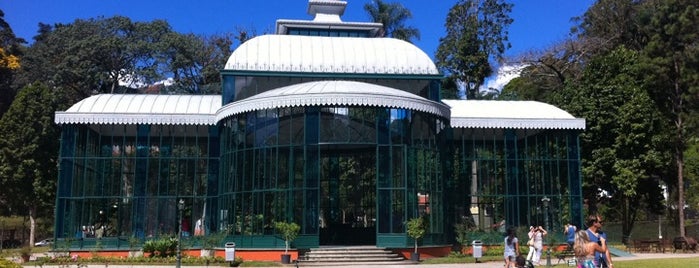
x=595, y=234
x=536, y=235
x=585, y=250
x=511, y=248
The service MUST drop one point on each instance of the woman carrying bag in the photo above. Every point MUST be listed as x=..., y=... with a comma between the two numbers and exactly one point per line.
x=536, y=236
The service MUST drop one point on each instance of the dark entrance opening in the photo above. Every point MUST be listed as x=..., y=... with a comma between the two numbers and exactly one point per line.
x=348, y=196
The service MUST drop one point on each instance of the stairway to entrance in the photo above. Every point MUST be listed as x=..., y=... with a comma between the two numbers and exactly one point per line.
x=350, y=255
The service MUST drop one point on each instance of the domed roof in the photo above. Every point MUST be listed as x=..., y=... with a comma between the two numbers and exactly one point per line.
x=318, y=54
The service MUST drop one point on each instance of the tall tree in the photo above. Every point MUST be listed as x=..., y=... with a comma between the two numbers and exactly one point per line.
x=10, y=54
x=94, y=55
x=195, y=61
x=28, y=154
x=476, y=36
x=393, y=17
x=672, y=54
x=622, y=146
x=610, y=23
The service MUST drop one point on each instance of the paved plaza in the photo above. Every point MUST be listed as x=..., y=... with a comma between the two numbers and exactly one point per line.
x=635, y=256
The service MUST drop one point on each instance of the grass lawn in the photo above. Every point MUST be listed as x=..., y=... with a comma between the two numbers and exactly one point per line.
x=653, y=263
x=641, y=263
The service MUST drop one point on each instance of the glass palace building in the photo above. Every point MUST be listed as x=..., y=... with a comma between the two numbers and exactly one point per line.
x=324, y=124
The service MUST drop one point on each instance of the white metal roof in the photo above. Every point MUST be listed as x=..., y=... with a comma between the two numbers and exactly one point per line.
x=318, y=54
x=319, y=93
x=510, y=114
x=207, y=110
x=143, y=109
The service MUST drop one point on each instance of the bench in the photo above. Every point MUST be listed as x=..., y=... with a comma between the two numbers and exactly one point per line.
x=640, y=246
x=685, y=244
x=566, y=256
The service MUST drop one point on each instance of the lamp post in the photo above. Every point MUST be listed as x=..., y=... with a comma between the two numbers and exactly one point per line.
x=546, y=201
x=180, y=207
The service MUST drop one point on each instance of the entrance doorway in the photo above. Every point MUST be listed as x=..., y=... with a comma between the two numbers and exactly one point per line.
x=348, y=196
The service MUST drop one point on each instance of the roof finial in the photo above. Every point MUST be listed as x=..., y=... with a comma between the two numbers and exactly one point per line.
x=326, y=10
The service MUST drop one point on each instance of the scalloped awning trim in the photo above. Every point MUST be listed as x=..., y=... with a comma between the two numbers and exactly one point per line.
x=334, y=93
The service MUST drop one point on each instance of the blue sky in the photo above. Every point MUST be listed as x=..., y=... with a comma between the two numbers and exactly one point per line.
x=538, y=23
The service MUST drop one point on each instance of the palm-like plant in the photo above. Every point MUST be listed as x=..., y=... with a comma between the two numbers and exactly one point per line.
x=392, y=16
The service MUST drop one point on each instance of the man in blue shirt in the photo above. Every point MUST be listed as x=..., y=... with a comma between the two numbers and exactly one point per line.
x=569, y=231
x=594, y=232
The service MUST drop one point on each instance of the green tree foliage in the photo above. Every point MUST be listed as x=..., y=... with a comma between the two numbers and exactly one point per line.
x=393, y=17
x=28, y=154
x=476, y=35
x=692, y=171
x=662, y=38
x=547, y=72
x=10, y=55
x=672, y=73
x=610, y=23
x=94, y=55
x=195, y=61
x=624, y=140
x=117, y=55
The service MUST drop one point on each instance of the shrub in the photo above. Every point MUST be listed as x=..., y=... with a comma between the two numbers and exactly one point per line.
x=162, y=248
x=8, y=264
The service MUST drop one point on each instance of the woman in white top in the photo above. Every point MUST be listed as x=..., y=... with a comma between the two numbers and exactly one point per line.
x=511, y=248
x=536, y=234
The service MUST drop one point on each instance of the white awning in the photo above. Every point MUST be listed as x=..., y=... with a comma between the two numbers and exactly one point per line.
x=510, y=114
x=317, y=54
x=339, y=93
x=143, y=109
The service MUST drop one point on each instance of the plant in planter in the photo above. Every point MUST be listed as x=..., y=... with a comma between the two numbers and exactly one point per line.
x=289, y=231
x=209, y=242
x=25, y=253
x=133, y=250
x=461, y=230
x=416, y=229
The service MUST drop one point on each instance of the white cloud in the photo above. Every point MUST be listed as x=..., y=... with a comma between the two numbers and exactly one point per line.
x=502, y=77
x=131, y=81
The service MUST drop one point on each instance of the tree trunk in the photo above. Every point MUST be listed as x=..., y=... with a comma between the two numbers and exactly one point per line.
x=32, y=225
x=680, y=192
x=628, y=218
x=679, y=148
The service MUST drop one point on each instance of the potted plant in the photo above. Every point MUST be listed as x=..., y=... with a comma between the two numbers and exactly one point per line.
x=25, y=253
x=461, y=230
x=209, y=242
x=133, y=251
x=289, y=231
x=416, y=230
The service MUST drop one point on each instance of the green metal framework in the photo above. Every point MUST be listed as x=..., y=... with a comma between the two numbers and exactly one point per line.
x=119, y=182
x=506, y=174
x=365, y=168
x=316, y=166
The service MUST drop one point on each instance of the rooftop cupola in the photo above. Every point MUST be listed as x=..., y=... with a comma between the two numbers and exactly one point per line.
x=326, y=10
x=327, y=22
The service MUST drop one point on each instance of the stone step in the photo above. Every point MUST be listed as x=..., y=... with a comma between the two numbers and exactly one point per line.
x=366, y=255
x=327, y=264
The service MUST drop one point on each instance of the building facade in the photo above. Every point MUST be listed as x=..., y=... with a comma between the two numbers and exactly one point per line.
x=325, y=124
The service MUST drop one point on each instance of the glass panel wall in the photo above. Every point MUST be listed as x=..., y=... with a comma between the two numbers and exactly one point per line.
x=507, y=175
x=343, y=173
x=236, y=87
x=119, y=181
